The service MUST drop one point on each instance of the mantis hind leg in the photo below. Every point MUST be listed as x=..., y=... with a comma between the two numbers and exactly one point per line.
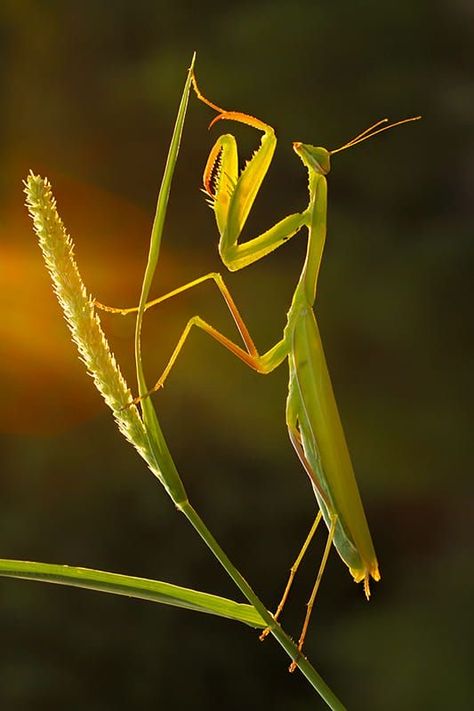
x=311, y=600
x=293, y=571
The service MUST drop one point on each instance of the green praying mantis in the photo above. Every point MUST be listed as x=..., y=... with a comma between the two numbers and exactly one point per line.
x=312, y=417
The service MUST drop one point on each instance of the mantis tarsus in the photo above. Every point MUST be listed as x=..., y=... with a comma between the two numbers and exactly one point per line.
x=312, y=417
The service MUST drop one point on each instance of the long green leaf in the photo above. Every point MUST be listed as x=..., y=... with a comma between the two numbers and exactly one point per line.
x=165, y=467
x=130, y=586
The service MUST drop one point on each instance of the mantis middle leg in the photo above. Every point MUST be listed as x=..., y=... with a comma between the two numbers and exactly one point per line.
x=264, y=363
x=221, y=285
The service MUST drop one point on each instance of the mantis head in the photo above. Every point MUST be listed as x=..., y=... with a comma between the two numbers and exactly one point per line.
x=316, y=159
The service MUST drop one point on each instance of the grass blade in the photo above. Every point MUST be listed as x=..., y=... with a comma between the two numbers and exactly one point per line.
x=130, y=586
x=157, y=442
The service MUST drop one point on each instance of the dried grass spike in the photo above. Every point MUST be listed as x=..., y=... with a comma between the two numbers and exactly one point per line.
x=78, y=307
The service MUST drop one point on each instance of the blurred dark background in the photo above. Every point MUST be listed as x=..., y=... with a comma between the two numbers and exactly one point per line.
x=88, y=96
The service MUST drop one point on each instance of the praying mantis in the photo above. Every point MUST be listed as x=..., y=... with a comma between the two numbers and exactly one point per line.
x=312, y=417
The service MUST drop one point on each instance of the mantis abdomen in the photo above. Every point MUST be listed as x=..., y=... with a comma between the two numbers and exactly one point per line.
x=325, y=448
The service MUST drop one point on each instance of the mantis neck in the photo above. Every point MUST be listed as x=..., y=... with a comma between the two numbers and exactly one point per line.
x=316, y=212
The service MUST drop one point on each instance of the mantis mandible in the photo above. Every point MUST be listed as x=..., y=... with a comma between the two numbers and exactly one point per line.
x=312, y=417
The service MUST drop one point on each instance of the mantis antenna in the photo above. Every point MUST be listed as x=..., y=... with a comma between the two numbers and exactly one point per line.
x=367, y=133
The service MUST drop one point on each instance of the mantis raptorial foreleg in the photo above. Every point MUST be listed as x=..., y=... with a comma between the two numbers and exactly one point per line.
x=232, y=194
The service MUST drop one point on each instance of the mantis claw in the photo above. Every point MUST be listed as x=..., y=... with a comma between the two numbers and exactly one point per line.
x=262, y=637
x=293, y=666
x=137, y=400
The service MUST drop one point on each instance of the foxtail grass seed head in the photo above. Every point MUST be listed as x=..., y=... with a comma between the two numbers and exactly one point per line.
x=78, y=307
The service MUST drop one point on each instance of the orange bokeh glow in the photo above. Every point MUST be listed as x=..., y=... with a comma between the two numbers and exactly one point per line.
x=44, y=385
